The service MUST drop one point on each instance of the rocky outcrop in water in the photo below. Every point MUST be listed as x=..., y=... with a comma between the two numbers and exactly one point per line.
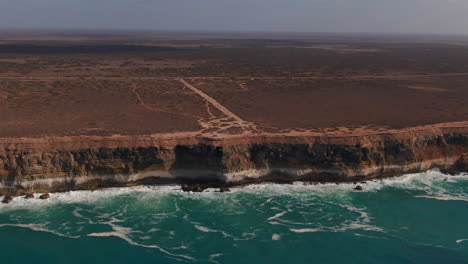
x=358, y=188
x=224, y=189
x=460, y=166
x=44, y=196
x=61, y=164
x=7, y=199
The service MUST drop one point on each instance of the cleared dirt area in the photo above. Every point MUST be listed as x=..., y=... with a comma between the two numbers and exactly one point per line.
x=221, y=87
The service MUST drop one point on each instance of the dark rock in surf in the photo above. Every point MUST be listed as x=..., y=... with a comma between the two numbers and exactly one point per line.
x=193, y=188
x=29, y=196
x=358, y=188
x=460, y=166
x=224, y=189
x=44, y=196
x=7, y=199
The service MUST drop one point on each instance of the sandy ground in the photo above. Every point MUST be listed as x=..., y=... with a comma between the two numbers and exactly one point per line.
x=220, y=108
x=241, y=88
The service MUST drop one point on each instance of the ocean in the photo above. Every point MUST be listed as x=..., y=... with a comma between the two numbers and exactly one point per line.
x=415, y=218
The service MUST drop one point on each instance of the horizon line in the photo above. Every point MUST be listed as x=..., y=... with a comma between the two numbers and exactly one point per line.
x=214, y=32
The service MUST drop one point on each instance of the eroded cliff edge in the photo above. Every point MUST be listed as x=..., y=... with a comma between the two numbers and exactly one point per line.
x=68, y=163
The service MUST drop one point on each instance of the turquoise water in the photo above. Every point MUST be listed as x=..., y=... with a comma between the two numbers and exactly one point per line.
x=417, y=218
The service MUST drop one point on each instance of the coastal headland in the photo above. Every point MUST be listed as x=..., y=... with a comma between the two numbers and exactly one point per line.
x=92, y=111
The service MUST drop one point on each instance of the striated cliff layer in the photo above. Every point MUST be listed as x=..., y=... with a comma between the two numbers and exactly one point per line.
x=69, y=163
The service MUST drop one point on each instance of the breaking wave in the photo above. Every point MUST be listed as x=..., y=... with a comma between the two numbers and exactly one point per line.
x=178, y=224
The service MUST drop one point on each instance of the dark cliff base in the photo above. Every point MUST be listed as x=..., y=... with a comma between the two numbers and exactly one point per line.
x=276, y=177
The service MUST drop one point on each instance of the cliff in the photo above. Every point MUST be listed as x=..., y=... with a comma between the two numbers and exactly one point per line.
x=70, y=163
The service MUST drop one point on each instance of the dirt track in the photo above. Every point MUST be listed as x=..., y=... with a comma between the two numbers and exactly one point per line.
x=212, y=101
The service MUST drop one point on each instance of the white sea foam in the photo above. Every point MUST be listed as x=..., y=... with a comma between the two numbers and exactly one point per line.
x=206, y=229
x=427, y=181
x=459, y=241
x=274, y=223
x=306, y=230
x=356, y=225
x=87, y=196
x=267, y=202
x=217, y=255
x=341, y=228
x=420, y=181
x=38, y=228
x=444, y=198
x=214, y=256
x=105, y=234
x=181, y=247
x=245, y=235
x=278, y=215
x=275, y=237
x=124, y=233
x=362, y=222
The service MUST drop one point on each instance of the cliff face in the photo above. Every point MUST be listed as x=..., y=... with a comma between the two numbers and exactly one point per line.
x=43, y=166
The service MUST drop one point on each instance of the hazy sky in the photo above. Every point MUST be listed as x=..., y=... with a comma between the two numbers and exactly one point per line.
x=413, y=16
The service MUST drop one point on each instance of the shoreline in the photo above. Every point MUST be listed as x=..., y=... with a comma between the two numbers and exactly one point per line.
x=53, y=164
x=369, y=185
